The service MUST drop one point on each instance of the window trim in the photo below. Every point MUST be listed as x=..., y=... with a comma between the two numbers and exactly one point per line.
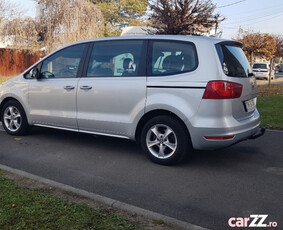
x=142, y=68
x=150, y=56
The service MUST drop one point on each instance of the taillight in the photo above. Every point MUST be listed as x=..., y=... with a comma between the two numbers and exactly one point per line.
x=222, y=90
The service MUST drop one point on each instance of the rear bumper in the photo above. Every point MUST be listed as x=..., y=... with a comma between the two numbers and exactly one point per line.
x=246, y=129
x=263, y=75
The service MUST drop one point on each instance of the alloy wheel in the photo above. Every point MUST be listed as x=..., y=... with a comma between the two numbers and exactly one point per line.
x=12, y=118
x=161, y=141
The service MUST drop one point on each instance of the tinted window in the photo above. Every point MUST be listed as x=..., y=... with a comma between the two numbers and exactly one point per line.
x=169, y=57
x=115, y=58
x=234, y=61
x=63, y=64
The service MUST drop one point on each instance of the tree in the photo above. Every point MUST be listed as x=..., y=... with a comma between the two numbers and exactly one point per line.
x=9, y=10
x=194, y=17
x=279, y=46
x=67, y=21
x=257, y=44
x=22, y=33
x=58, y=23
x=121, y=13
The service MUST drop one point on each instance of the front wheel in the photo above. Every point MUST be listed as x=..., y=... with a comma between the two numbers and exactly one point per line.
x=165, y=140
x=14, y=118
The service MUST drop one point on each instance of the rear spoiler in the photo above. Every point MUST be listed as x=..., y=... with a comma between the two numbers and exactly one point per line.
x=231, y=43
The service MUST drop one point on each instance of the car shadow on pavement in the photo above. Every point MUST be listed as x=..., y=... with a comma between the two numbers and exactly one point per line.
x=242, y=153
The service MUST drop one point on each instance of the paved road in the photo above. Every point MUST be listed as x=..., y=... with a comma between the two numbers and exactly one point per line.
x=278, y=80
x=236, y=182
x=279, y=76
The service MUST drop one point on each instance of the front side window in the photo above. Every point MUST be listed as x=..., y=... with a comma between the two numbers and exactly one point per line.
x=234, y=61
x=63, y=64
x=170, y=57
x=115, y=59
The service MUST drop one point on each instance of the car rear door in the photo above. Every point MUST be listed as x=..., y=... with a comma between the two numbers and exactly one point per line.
x=112, y=92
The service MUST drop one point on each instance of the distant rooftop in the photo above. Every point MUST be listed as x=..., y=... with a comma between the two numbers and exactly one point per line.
x=135, y=30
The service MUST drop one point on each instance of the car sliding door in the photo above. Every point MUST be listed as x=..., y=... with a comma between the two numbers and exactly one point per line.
x=112, y=92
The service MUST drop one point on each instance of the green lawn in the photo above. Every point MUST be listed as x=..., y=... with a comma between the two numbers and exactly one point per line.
x=21, y=208
x=270, y=106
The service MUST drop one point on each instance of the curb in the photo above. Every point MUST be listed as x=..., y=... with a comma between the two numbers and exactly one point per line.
x=107, y=201
x=274, y=130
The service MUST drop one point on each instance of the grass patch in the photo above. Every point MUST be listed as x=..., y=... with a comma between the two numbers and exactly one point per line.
x=270, y=106
x=3, y=79
x=21, y=208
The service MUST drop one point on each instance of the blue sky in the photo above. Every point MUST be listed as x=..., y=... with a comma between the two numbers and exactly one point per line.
x=255, y=15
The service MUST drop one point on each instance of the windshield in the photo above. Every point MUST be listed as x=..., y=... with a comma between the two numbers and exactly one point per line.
x=233, y=60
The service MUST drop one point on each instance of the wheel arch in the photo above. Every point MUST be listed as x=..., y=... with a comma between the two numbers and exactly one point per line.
x=154, y=113
x=9, y=99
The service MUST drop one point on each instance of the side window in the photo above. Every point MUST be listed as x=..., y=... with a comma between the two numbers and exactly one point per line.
x=63, y=64
x=115, y=58
x=171, y=57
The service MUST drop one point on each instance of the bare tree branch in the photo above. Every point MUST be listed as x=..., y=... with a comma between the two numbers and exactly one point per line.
x=9, y=10
x=192, y=17
x=58, y=23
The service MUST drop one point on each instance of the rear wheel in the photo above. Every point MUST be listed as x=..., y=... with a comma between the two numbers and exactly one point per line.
x=14, y=119
x=165, y=140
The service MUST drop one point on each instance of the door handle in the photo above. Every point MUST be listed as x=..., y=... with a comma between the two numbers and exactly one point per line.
x=69, y=87
x=85, y=87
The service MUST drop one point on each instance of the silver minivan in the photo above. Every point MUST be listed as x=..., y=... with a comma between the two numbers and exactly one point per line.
x=171, y=94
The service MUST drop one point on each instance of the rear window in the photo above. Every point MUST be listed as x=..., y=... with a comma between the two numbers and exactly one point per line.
x=260, y=66
x=233, y=60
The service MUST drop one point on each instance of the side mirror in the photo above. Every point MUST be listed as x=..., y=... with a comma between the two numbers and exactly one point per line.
x=34, y=73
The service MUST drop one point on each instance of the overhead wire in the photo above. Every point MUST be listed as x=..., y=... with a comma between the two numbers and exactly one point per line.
x=266, y=10
x=254, y=19
x=231, y=4
x=263, y=20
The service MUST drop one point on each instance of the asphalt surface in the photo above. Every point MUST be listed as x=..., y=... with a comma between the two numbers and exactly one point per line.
x=278, y=80
x=212, y=187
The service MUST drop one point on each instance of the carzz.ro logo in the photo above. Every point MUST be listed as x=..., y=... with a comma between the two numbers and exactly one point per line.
x=252, y=221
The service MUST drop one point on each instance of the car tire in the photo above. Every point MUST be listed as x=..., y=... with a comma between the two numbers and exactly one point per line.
x=165, y=140
x=14, y=119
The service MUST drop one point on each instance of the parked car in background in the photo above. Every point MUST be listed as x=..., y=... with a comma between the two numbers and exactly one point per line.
x=171, y=94
x=262, y=70
x=280, y=68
